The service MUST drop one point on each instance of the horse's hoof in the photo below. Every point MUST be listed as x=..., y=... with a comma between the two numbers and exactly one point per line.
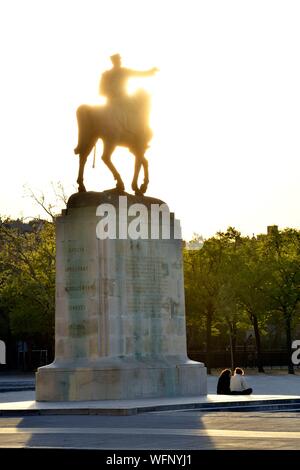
x=120, y=187
x=81, y=189
x=143, y=188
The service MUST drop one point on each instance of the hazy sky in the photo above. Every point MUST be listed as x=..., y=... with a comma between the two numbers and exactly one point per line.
x=225, y=105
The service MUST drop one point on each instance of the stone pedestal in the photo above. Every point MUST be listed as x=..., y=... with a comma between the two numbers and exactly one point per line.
x=120, y=316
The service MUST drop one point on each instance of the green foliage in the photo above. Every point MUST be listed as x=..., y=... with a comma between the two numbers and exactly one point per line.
x=236, y=283
x=27, y=278
x=281, y=252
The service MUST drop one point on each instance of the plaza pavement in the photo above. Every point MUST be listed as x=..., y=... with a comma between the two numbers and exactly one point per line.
x=270, y=392
x=168, y=424
x=12, y=382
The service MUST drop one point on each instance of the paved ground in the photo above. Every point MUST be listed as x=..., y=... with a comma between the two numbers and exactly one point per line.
x=273, y=382
x=271, y=392
x=280, y=383
x=185, y=430
x=15, y=382
x=263, y=384
x=172, y=430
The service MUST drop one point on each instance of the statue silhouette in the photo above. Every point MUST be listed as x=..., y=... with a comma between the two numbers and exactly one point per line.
x=122, y=121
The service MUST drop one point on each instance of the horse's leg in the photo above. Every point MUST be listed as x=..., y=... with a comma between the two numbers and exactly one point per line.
x=82, y=161
x=108, y=149
x=144, y=186
x=137, y=168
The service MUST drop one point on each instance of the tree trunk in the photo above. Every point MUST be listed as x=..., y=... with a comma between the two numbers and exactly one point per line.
x=232, y=343
x=288, y=332
x=208, y=341
x=257, y=343
x=233, y=339
x=231, y=350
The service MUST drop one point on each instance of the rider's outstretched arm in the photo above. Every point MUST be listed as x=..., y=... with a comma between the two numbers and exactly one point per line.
x=142, y=73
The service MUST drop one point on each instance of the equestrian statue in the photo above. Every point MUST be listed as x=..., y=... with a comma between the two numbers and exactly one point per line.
x=122, y=121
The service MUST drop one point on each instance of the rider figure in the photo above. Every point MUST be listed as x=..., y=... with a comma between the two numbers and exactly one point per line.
x=113, y=85
x=113, y=82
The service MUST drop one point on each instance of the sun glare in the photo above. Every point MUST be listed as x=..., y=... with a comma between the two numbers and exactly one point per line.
x=224, y=103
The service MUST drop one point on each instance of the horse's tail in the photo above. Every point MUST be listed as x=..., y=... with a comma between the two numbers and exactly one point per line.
x=84, y=120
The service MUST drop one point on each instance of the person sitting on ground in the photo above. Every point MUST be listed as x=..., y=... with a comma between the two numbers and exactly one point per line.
x=238, y=384
x=223, y=387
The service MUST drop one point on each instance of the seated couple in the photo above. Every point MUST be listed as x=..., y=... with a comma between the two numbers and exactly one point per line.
x=233, y=384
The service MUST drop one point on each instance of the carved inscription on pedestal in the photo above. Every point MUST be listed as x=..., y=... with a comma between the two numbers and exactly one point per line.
x=146, y=281
x=78, y=288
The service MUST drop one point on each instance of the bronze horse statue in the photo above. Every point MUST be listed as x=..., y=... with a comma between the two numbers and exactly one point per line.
x=125, y=126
